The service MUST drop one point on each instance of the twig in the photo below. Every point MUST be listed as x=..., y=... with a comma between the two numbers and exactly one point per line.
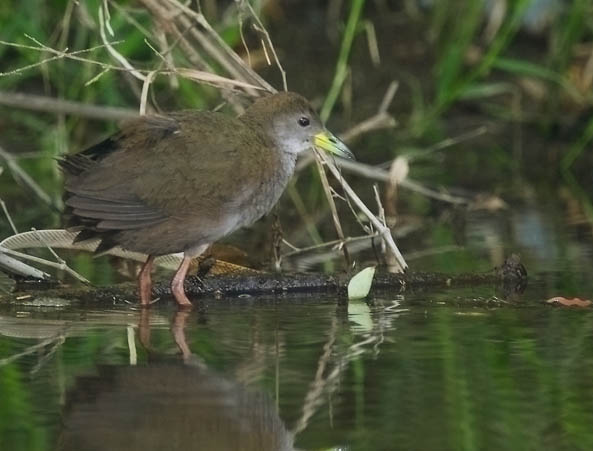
x=302, y=210
x=385, y=232
x=328, y=383
x=48, y=355
x=375, y=173
x=347, y=240
x=388, y=97
x=42, y=261
x=260, y=27
x=308, y=261
x=58, y=54
x=31, y=349
x=7, y=214
x=313, y=397
x=265, y=49
x=212, y=79
x=129, y=18
x=332, y=206
x=61, y=106
x=96, y=77
x=243, y=41
x=144, y=96
x=60, y=260
x=21, y=175
x=292, y=246
x=379, y=205
x=448, y=142
x=167, y=56
x=191, y=74
x=13, y=266
x=379, y=121
x=118, y=56
x=389, y=260
x=63, y=239
x=369, y=28
x=228, y=55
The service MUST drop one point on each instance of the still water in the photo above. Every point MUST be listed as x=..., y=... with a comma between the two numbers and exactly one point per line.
x=450, y=370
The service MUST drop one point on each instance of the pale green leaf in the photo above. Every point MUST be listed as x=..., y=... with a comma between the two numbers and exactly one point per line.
x=360, y=285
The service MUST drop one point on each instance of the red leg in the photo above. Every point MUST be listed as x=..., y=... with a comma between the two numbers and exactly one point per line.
x=177, y=284
x=145, y=282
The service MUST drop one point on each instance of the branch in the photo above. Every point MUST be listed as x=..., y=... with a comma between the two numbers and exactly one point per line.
x=61, y=106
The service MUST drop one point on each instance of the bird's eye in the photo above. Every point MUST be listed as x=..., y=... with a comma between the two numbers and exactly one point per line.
x=304, y=121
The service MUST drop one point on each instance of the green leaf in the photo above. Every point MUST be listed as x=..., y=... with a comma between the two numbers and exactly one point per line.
x=360, y=285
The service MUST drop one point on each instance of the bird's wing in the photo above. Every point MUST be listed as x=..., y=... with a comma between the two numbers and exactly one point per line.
x=210, y=163
x=157, y=168
x=100, y=192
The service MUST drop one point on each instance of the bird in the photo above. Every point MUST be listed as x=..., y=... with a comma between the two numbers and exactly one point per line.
x=178, y=182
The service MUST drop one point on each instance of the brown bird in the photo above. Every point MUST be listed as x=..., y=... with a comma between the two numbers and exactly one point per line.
x=180, y=182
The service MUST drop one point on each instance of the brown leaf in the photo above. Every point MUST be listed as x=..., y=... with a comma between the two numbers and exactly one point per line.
x=574, y=302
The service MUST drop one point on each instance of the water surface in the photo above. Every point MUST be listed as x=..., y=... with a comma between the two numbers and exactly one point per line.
x=443, y=370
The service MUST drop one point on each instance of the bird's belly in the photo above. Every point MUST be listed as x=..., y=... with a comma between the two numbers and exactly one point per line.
x=206, y=224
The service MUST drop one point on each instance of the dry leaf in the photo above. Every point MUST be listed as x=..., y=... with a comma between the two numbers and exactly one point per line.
x=574, y=302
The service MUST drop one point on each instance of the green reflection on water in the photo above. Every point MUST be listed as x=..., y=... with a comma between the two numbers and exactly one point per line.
x=423, y=376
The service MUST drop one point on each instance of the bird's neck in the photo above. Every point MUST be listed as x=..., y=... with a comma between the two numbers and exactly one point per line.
x=266, y=124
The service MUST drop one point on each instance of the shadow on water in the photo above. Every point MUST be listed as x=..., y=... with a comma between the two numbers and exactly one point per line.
x=170, y=406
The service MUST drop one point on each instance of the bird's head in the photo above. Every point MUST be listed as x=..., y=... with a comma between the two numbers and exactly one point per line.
x=290, y=120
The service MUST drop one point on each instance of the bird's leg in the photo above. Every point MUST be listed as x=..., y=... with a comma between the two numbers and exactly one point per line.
x=145, y=282
x=177, y=283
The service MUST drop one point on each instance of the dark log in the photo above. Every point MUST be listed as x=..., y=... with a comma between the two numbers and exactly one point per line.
x=511, y=278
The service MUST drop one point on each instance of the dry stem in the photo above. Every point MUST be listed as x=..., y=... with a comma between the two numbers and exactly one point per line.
x=332, y=205
x=21, y=175
x=61, y=106
x=384, y=231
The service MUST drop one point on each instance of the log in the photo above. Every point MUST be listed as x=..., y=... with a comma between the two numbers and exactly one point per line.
x=511, y=277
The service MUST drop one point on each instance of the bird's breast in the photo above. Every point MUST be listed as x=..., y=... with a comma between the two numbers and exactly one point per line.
x=273, y=177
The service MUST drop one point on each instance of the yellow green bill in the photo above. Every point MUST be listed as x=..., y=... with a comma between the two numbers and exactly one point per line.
x=325, y=140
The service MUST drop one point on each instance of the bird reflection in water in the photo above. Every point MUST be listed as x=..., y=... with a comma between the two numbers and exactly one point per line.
x=172, y=406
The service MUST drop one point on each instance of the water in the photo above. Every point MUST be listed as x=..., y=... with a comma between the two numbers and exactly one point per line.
x=427, y=371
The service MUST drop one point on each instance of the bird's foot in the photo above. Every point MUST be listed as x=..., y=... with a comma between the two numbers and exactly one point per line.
x=177, y=285
x=179, y=294
x=145, y=296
